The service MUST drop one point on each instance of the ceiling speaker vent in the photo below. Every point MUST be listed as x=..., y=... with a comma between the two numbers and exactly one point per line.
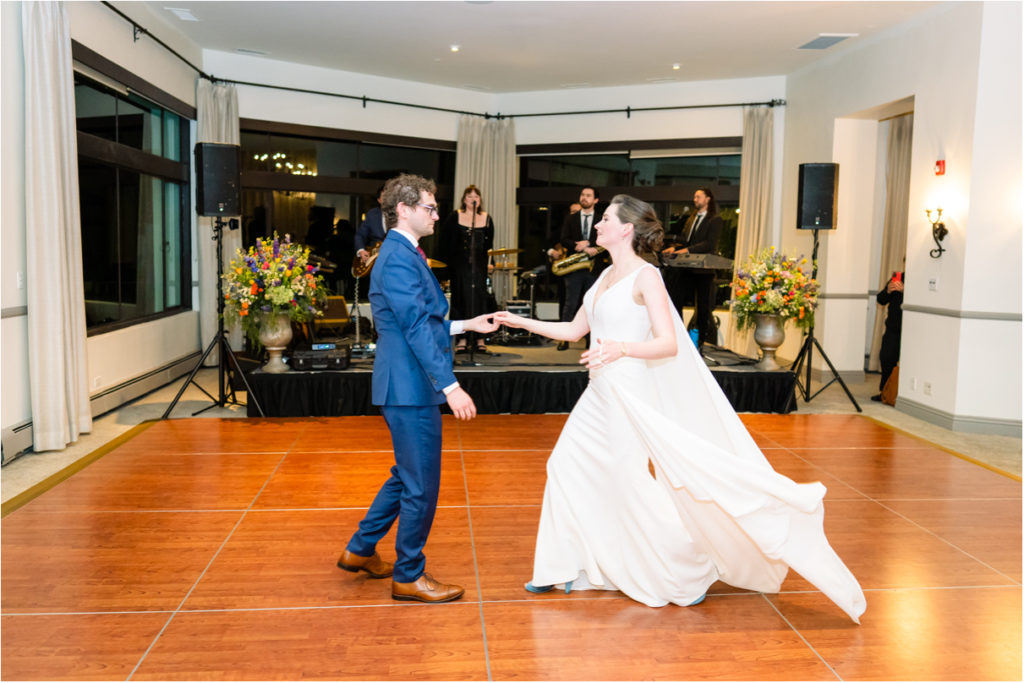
x=826, y=40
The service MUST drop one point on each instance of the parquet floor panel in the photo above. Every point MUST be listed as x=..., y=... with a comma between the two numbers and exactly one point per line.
x=206, y=550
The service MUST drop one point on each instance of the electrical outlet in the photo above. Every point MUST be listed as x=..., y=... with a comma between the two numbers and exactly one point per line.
x=927, y=387
x=96, y=382
x=933, y=284
x=913, y=384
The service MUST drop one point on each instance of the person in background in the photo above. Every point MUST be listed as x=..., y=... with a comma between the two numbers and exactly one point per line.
x=466, y=236
x=699, y=236
x=889, y=355
x=372, y=229
x=578, y=235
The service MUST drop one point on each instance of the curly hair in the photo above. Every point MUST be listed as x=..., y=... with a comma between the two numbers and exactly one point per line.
x=404, y=189
x=647, y=231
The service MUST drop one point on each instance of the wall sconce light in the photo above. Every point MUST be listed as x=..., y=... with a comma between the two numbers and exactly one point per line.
x=939, y=231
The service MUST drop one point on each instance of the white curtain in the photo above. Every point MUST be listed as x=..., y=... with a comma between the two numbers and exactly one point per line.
x=754, y=230
x=53, y=233
x=485, y=156
x=217, y=120
x=897, y=205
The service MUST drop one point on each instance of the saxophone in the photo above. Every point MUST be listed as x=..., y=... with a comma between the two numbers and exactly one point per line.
x=577, y=261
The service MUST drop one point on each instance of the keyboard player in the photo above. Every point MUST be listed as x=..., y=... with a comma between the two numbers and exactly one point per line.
x=699, y=235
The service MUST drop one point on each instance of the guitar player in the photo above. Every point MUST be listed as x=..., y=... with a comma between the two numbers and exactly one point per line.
x=372, y=230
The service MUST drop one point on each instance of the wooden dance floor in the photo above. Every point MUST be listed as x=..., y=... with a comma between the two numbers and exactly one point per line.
x=205, y=549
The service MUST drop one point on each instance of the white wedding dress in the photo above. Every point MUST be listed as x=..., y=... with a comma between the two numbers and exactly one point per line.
x=716, y=509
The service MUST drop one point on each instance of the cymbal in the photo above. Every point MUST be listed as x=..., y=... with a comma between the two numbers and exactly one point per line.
x=434, y=263
x=503, y=252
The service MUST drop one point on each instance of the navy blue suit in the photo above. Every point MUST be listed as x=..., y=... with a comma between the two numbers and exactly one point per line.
x=370, y=230
x=413, y=364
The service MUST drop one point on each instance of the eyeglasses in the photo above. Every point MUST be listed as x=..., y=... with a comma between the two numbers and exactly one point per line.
x=431, y=209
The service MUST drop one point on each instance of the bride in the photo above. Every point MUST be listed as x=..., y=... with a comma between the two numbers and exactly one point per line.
x=654, y=487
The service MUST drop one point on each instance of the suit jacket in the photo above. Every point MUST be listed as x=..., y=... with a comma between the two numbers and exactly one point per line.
x=705, y=239
x=413, y=360
x=572, y=232
x=371, y=229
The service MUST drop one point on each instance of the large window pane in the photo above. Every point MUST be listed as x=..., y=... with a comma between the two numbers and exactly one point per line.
x=140, y=125
x=96, y=111
x=382, y=161
x=98, y=193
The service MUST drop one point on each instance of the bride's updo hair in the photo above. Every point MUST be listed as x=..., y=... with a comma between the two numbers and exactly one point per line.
x=647, y=231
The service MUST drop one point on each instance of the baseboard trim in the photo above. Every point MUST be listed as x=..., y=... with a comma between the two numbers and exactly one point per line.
x=131, y=389
x=959, y=423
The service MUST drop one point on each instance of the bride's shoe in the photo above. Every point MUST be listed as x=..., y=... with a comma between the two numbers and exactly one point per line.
x=544, y=589
x=698, y=600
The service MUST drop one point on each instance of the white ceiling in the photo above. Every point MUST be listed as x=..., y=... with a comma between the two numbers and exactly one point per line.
x=510, y=46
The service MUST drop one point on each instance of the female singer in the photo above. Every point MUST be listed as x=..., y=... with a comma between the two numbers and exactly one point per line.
x=466, y=237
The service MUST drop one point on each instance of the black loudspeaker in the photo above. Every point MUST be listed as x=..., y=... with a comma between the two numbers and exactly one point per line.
x=218, y=180
x=816, y=198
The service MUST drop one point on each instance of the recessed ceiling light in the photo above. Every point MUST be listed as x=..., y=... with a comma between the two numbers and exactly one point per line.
x=675, y=67
x=454, y=48
x=826, y=40
x=182, y=13
x=247, y=51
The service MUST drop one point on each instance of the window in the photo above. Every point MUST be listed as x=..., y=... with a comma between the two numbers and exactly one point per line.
x=133, y=193
x=317, y=184
x=550, y=183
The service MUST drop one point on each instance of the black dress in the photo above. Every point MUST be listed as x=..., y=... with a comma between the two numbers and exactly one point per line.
x=468, y=283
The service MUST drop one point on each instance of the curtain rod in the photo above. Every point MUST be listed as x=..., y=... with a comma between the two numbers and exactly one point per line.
x=628, y=111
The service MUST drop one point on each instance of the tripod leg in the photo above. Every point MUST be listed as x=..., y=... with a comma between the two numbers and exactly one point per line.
x=835, y=374
x=191, y=377
x=250, y=394
x=801, y=358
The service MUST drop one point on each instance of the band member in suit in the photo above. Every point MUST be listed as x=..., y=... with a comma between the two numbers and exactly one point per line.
x=412, y=376
x=372, y=229
x=579, y=235
x=699, y=236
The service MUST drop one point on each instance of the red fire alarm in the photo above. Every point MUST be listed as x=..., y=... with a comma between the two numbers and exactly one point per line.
x=940, y=167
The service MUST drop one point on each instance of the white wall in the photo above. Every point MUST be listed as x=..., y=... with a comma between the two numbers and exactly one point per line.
x=966, y=111
x=16, y=401
x=103, y=31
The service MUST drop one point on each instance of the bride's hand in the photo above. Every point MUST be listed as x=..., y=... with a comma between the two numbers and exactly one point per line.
x=603, y=353
x=509, y=319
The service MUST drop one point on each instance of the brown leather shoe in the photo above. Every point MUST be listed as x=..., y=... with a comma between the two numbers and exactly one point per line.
x=426, y=589
x=373, y=565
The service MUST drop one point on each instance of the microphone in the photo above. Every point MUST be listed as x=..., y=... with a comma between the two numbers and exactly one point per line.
x=473, y=205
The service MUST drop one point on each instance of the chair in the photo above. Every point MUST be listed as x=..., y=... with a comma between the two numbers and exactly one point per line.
x=335, y=318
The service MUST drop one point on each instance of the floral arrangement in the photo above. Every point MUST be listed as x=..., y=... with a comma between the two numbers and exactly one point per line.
x=773, y=283
x=274, y=277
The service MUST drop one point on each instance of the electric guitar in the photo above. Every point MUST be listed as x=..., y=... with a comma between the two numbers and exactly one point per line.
x=359, y=268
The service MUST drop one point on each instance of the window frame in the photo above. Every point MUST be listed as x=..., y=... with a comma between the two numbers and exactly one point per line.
x=121, y=157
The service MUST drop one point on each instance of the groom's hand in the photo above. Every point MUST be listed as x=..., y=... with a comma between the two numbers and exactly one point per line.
x=484, y=324
x=461, y=404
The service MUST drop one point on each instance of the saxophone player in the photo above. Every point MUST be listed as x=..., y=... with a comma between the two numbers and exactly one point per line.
x=579, y=235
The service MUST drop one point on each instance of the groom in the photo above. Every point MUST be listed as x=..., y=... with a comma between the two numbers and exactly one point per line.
x=412, y=376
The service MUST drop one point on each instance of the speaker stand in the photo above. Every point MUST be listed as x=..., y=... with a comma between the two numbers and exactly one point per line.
x=220, y=342
x=807, y=348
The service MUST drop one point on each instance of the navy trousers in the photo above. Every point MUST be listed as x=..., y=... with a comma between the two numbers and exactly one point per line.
x=410, y=494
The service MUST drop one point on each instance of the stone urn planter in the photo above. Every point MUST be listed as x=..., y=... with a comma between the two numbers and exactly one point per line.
x=275, y=333
x=769, y=335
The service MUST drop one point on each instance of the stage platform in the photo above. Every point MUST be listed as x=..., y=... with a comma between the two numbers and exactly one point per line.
x=510, y=379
